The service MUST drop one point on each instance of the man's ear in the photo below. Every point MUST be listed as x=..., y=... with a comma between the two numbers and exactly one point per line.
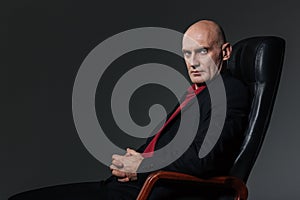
x=226, y=51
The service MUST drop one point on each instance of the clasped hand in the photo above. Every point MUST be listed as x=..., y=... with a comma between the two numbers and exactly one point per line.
x=125, y=167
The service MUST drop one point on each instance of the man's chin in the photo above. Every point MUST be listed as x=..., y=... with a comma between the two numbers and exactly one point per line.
x=198, y=81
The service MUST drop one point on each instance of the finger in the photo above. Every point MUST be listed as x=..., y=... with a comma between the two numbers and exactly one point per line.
x=117, y=163
x=113, y=167
x=127, y=154
x=131, y=151
x=116, y=157
x=132, y=176
x=123, y=179
x=118, y=173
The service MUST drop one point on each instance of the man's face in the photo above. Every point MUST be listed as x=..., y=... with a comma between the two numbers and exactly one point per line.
x=202, y=54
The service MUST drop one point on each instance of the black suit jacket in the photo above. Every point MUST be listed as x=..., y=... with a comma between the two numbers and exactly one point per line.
x=216, y=162
x=219, y=160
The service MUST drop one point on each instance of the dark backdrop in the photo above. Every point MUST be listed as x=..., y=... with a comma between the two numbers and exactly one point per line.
x=46, y=41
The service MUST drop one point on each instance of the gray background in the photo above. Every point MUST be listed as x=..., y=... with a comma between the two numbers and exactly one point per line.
x=46, y=41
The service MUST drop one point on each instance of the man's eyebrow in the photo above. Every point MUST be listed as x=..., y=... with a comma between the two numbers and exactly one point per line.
x=198, y=49
x=186, y=51
x=202, y=47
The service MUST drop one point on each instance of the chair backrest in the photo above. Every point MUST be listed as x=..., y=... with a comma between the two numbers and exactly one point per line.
x=258, y=62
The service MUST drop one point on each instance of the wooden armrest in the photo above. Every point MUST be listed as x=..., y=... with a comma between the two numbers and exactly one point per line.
x=225, y=181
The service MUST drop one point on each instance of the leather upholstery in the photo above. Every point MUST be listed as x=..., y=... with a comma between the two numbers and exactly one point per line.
x=258, y=62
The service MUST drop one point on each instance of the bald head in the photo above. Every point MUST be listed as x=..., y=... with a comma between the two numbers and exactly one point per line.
x=208, y=29
x=205, y=49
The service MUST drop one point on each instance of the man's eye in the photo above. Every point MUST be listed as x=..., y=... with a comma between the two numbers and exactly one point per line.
x=186, y=53
x=203, y=51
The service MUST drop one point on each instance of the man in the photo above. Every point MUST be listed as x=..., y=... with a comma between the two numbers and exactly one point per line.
x=205, y=52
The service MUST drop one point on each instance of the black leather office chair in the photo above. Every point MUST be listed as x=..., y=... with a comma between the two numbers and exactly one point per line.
x=258, y=62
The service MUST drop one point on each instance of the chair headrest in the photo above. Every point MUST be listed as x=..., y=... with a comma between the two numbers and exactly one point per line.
x=257, y=61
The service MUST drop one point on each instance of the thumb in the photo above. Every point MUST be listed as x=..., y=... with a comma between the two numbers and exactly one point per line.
x=131, y=151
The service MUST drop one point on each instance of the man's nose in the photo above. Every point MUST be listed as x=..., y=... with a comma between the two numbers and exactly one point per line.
x=194, y=62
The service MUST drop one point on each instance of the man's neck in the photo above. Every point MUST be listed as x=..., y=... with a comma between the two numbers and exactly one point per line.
x=197, y=85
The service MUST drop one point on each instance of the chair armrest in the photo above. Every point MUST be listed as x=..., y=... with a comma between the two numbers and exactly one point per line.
x=224, y=181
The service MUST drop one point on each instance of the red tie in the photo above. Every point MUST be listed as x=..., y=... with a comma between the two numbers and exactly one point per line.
x=190, y=95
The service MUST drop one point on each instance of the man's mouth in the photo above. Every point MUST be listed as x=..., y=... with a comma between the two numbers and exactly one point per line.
x=196, y=73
